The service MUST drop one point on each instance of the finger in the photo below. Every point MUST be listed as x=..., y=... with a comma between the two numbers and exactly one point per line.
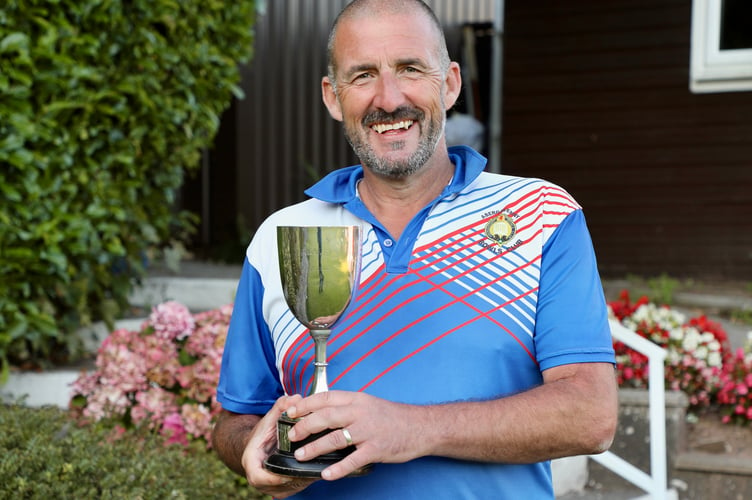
x=284, y=403
x=290, y=487
x=336, y=439
x=262, y=442
x=267, y=482
x=317, y=402
x=351, y=463
x=319, y=422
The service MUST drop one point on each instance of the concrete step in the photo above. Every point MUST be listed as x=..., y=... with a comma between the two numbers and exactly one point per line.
x=713, y=475
x=53, y=387
x=197, y=294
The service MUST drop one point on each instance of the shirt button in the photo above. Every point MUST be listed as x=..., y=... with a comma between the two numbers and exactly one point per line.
x=388, y=242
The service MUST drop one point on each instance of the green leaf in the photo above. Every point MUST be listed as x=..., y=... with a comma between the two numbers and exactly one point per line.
x=18, y=328
x=14, y=42
x=186, y=359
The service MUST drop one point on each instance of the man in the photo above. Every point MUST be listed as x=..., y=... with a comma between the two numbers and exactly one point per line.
x=477, y=346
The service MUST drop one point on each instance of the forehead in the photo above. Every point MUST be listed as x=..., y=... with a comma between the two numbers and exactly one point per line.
x=385, y=38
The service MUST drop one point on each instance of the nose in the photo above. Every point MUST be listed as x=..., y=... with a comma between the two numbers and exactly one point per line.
x=389, y=95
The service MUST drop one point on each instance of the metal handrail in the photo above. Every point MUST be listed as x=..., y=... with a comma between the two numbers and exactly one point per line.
x=655, y=483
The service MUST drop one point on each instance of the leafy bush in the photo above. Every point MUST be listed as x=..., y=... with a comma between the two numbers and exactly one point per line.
x=105, y=105
x=163, y=376
x=43, y=454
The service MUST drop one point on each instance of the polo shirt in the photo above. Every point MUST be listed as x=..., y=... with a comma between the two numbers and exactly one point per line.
x=489, y=285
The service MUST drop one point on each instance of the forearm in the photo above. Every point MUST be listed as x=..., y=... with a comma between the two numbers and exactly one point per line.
x=560, y=418
x=573, y=412
x=230, y=437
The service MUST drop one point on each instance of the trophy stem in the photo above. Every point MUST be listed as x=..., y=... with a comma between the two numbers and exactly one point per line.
x=320, y=383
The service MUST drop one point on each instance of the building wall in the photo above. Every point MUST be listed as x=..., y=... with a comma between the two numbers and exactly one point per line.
x=596, y=98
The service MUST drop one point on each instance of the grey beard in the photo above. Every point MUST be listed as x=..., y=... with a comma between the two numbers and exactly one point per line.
x=402, y=168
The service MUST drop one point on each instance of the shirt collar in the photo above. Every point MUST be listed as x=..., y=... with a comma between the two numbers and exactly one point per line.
x=340, y=186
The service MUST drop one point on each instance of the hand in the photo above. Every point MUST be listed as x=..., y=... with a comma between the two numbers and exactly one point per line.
x=261, y=444
x=382, y=431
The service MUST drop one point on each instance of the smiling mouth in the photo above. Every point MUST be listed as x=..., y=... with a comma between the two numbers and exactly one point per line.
x=382, y=128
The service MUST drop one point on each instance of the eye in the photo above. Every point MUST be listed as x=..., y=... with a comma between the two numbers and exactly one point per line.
x=412, y=71
x=361, y=77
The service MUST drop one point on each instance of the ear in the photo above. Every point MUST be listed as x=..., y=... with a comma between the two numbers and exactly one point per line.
x=330, y=99
x=452, y=85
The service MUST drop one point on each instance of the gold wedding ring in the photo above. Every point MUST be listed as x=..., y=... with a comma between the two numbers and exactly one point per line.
x=348, y=437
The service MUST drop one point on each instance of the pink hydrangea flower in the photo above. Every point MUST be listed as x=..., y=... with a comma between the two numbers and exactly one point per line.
x=174, y=429
x=171, y=321
x=163, y=376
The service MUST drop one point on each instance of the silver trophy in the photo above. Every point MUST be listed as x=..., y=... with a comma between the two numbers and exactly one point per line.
x=318, y=267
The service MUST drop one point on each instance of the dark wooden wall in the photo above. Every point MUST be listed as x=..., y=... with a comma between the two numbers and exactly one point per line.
x=596, y=98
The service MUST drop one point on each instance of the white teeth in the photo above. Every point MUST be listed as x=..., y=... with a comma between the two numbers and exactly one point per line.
x=385, y=127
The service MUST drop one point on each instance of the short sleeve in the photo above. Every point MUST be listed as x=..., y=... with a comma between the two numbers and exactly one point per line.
x=572, y=318
x=248, y=381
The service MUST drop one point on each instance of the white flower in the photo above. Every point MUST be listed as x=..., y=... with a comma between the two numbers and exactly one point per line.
x=691, y=340
x=715, y=359
x=673, y=357
x=707, y=337
x=643, y=313
x=676, y=333
x=701, y=352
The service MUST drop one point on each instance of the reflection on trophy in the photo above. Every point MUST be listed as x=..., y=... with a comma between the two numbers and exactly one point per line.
x=319, y=268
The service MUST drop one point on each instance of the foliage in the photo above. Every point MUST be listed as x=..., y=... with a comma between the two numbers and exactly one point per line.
x=163, y=377
x=699, y=361
x=44, y=454
x=105, y=104
x=663, y=288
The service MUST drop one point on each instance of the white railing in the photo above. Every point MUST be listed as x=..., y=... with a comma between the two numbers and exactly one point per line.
x=655, y=483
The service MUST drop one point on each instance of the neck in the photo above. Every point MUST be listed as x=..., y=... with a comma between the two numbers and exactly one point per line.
x=394, y=202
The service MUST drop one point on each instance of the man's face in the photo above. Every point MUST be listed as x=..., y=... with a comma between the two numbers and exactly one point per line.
x=390, y=91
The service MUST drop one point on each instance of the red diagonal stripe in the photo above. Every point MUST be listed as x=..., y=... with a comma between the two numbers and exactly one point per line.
x=445, y=334
x=437, y=286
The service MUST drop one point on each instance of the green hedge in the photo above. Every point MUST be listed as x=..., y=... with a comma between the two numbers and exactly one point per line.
x=44, y=455
x=104, y=106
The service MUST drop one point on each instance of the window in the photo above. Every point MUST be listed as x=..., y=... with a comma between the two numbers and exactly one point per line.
x=721, y=54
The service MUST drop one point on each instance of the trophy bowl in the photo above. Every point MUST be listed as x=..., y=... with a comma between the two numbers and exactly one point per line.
x=319, y=268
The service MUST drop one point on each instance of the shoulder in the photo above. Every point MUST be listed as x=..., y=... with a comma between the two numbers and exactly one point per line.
x=530, y=190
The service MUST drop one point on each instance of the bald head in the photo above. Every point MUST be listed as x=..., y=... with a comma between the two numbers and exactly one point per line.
x=359, y=9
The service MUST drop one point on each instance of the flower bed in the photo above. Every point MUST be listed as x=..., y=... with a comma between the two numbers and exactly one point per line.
x=699, y=360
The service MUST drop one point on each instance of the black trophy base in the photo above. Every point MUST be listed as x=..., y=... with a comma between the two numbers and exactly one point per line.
x=286, y=465
x=283, y=461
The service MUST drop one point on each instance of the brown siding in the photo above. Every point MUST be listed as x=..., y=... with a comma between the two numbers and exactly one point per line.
x=596, y=98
